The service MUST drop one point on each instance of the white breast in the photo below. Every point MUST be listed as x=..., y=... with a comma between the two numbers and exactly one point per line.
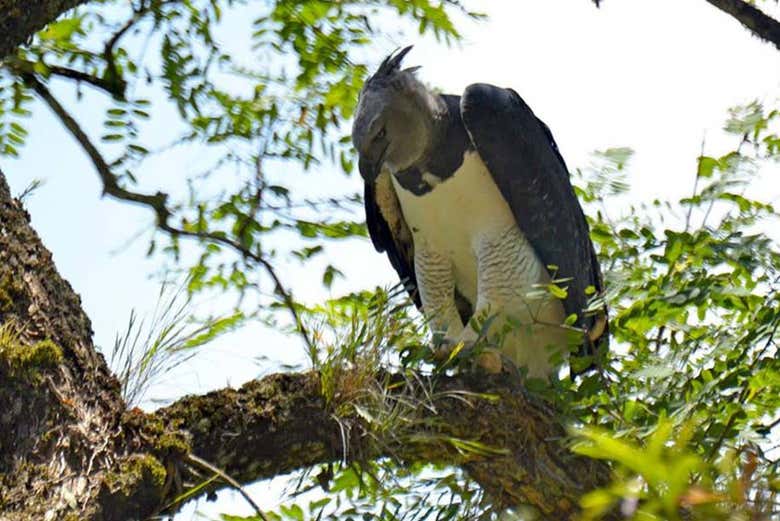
x=457, y=216
x=463, y=229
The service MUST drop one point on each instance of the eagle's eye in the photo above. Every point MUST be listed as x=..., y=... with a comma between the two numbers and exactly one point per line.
x=381, y=134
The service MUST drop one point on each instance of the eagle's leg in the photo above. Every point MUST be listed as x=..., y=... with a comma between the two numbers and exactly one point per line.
x=507, y=273
x=436, y=283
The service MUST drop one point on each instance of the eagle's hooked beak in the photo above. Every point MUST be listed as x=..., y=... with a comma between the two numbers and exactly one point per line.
x=370, y=170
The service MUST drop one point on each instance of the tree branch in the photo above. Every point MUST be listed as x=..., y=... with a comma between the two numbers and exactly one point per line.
x=282, y=423
x=22, y=67
x=158, y=202
x=754, y=19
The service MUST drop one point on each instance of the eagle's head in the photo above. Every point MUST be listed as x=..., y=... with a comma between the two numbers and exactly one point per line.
x=395, y=119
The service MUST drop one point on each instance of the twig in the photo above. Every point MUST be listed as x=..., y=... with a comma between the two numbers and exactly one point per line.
x=257, y=198
x=695, y=188
x=191, y=458
x=158, y=202
x=659, y=338
x=113, y=88
x=112, y=73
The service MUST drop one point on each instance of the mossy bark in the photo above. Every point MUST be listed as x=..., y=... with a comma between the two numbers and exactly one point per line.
x=62, y=429
x=282, y=422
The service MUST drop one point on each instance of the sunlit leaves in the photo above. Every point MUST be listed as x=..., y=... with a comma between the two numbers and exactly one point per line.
x=62, y=32
x=15, y=100
x=757, y=127
x=657, y=475
x=332, y=230
x=283, y=110
x=746, y=119
x=693, y=290
x=606, y=176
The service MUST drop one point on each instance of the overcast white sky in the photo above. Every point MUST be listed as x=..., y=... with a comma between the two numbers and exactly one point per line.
x=655, y=75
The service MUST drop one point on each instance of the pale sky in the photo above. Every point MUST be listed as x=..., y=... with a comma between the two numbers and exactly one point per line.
x=655, y=75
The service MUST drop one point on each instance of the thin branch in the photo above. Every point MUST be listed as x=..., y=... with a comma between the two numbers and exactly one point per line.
x=695, y=187
x=754, y=19
x=257, y=197
x=192, y=458
x=22, y=67
x=110, y=183
x=158, y=202
x=115, y=88
x=112, y=72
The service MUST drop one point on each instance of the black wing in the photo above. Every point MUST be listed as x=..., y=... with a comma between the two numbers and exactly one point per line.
x=383, y=241
x=525, y=163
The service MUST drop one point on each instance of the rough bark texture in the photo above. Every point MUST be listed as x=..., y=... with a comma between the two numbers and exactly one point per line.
x=61, y=438
x=70, y=450
x=290, y=425
x=21, y=18
x=755, y=20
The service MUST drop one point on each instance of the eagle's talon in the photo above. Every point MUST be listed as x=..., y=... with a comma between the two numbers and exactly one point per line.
x=488, y=360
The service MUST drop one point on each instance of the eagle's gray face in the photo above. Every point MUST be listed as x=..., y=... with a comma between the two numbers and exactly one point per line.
x=394, y=121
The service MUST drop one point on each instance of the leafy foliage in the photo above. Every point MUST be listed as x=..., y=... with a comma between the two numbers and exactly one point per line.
x=687, y=406
x=146, y=351
x=257, y=123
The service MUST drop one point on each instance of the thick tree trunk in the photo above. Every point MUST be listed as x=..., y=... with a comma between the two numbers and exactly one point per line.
x=61, y=438
x=70, y=450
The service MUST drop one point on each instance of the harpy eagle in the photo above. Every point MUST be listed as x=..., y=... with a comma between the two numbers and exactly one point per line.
x=471, y=200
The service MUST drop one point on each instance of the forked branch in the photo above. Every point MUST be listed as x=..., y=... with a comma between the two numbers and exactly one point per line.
x=158, y=202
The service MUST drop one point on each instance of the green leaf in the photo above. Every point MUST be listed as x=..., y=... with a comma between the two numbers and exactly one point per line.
x=707, y=166
x=292, y=512
x=557, y=291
